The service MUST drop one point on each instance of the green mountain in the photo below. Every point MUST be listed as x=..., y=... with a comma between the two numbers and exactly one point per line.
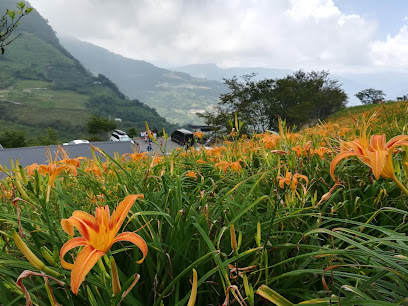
x=177, y=96
x=42, y=85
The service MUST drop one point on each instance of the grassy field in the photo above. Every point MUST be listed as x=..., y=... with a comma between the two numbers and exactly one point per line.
x=316, y=217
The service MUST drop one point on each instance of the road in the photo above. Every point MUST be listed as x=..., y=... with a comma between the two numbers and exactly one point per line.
x=170, y=146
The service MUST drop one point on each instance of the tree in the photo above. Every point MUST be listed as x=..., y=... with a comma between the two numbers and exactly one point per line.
x=248, y=99
x=9, y=22
x=370, y=96
x=13, y=139
x=50, y=139
x=299, y=98
x=98, y=125
x=308, y=97
x=132, y=132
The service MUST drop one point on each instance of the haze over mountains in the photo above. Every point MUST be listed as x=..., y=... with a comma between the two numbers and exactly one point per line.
x=179, y=91
x=175, y=95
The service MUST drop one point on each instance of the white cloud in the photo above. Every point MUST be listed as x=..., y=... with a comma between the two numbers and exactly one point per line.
x=392, y=53
x=279, y=33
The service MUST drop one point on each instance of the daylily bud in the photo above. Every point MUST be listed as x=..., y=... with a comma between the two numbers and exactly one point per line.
x=33, y=260
x=23, y=174
x=258, y=234
x=20, y=189
x=115, y=277
x=234, y=244
x=249, y=291
x=48, y=256
x=191, y=301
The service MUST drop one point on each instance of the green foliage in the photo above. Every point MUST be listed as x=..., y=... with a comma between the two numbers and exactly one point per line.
x=132, y=132
x=51, y=138
x=299, y=98
x=311, y=244
x=9, y=22
x=370, y=96
x=97, y=125
x=12, y=139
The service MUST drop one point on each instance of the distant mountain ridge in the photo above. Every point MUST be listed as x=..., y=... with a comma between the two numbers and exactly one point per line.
x=176, y=95
x=213, y=72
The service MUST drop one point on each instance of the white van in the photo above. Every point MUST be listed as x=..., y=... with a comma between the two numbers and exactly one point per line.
x=119, y=135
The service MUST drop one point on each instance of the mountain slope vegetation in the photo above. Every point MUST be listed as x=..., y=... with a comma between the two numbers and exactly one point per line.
x=42, y=85
x=176, y=95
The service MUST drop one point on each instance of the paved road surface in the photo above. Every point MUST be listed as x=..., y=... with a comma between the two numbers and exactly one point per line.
x=170, y=146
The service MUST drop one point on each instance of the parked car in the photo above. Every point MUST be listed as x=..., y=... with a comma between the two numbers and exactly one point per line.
x=183, y=137
x=76, y=141
x=119, y=135
x=1, y=147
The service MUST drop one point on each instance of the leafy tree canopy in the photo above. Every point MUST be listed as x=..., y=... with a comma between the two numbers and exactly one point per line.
x=97, y=125
x=299, y=98
x=13, y=139
x=9, y=22
x=132, y=132
x=370, y=96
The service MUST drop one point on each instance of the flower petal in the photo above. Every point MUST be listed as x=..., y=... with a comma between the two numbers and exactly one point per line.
x=120, y=213
x=378, y=142
x=397, y=139
x=67, y=227
x=83, y=222
x=354, y=146
x=378, y=159
x=82, y=265
x=338, y=158
x=73, y=243
x=135, y=239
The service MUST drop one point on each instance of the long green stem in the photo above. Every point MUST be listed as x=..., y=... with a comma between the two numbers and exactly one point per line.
x=400, y=185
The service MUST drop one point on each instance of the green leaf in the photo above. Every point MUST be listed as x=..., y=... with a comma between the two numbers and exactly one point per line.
x=272, y=296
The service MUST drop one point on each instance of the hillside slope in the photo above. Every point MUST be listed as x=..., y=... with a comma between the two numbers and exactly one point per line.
x=42, y=85
x=391, y=118
x=177, y=96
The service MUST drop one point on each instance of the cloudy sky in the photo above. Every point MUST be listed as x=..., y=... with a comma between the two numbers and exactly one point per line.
x=339, y=35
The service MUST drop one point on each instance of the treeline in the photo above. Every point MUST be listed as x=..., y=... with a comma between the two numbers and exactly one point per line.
x=300, y=98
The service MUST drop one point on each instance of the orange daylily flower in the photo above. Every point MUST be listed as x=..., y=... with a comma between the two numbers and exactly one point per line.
x=158, y=160
x=270, y=140
x=136, y=156
x=303, y=151
x=321, y=151
x=99, y=233
x=199, y=134
x=291, y=180
x=191, y=174
x=53, y=169
x=96, y=169
x=235, y=166
x=67, y=160
x=377, y=154
x=216, y=151
x=222, y=165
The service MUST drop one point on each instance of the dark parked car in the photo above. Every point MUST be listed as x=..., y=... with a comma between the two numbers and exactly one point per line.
x=183, y=137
